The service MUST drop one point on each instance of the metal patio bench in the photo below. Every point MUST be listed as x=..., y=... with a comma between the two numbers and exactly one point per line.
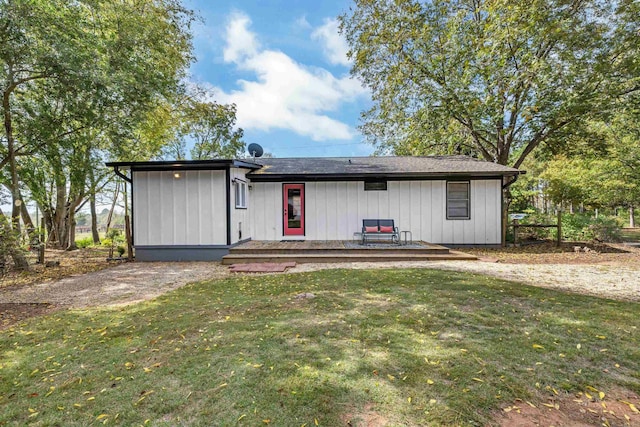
x=376, y=229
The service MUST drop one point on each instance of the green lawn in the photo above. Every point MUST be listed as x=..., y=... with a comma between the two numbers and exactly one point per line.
x=416, y=346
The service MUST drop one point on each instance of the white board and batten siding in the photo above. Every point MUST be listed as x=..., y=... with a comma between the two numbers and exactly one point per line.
x=335, y=210
x=240, y=216
x=189, y=210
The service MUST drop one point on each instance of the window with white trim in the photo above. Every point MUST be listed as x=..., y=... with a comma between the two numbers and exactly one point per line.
x=241, y=194
x=458, y=200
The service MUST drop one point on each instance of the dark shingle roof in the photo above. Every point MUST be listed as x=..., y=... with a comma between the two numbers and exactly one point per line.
x=362, y=167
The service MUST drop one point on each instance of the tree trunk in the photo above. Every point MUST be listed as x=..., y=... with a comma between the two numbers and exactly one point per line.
x=71, y=245
x=559, y=241
x=26, y=220
x=12, y=248
x=505, y=215
x=19, y=260
x=48, y=222
x=14, y=186
x=113, y=206
x=60, y=216
x=74, y=205
x=94, y=220
x=632, y=220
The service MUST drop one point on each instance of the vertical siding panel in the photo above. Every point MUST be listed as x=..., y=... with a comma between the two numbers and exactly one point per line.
x=362, y=201
x=258, y=225
x=479, y=211
x=166, y=209
x=274, y=219
x=318, y=211
x=354, y=221
x=424, y=233
x=154, y=213
x=240, y=215
x=372, y=203
x=342, y=214
x=404, y=201
x=322, y=211
x=494, y=212
x=276, y=214
x=416, y=206
x=438, y=210
x=458, y=231
x=207, y=214
x=221, y=226
x=262, y=229
x=195, y=218
x=141, y=203
x=180, y=204
x=312, y=214
x=258, y=215
x=393, y=188
x=383, y=203
x=332, y=211
x=468, y=235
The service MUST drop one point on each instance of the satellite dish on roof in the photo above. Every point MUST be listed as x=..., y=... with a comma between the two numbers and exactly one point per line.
x=255, y=150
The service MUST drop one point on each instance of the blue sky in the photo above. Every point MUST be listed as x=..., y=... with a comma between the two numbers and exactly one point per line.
x=284, y=65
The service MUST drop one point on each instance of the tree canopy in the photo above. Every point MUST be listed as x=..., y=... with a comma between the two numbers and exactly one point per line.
x=494, y=77
x=78, y=79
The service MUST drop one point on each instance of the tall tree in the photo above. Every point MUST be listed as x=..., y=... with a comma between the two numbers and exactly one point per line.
x=212, y=127
x=510, y=74
x=193, y=119
x=69, y=70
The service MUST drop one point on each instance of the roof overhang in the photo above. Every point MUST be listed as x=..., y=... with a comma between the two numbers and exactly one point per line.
x=172, y=165
x=263, y=177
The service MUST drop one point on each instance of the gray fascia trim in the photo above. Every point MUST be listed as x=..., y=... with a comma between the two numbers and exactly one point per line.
x=184, y=165
x=363, y=177
x=246, y=165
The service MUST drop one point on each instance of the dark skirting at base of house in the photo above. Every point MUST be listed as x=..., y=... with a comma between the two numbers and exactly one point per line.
x=183, y=252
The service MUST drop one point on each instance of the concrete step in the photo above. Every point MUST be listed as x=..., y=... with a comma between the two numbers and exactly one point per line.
x=323, y=258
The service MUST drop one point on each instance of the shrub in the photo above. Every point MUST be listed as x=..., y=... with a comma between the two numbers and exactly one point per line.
x=586, y=227
x=606, y=229
x=9, y=244
x=85, y=242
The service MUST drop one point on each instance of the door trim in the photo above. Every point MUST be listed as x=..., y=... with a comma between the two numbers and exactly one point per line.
x=295, y=231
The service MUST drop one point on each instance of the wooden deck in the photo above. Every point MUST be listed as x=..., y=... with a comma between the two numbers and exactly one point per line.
x=312, y=251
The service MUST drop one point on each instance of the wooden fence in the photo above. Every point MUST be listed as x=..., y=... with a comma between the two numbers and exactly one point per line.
x=516, y=225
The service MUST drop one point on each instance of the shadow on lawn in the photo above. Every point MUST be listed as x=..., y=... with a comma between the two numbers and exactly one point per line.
x=413, y=347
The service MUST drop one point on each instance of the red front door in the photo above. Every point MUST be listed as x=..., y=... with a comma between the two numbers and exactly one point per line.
x=293, y=198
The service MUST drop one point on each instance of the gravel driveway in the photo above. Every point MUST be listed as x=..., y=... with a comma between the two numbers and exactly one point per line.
x=123, y=284
x=616, y=281
x=134, y=282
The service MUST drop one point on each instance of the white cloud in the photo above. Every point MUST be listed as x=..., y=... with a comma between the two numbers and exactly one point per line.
x=284, y=94
x=302, y=23
x=333, y=44
x=240, y=41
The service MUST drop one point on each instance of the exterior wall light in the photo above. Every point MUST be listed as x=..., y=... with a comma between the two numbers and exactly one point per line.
x=176, y=175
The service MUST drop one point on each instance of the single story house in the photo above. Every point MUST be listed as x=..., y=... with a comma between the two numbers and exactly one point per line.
x=199, y=209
